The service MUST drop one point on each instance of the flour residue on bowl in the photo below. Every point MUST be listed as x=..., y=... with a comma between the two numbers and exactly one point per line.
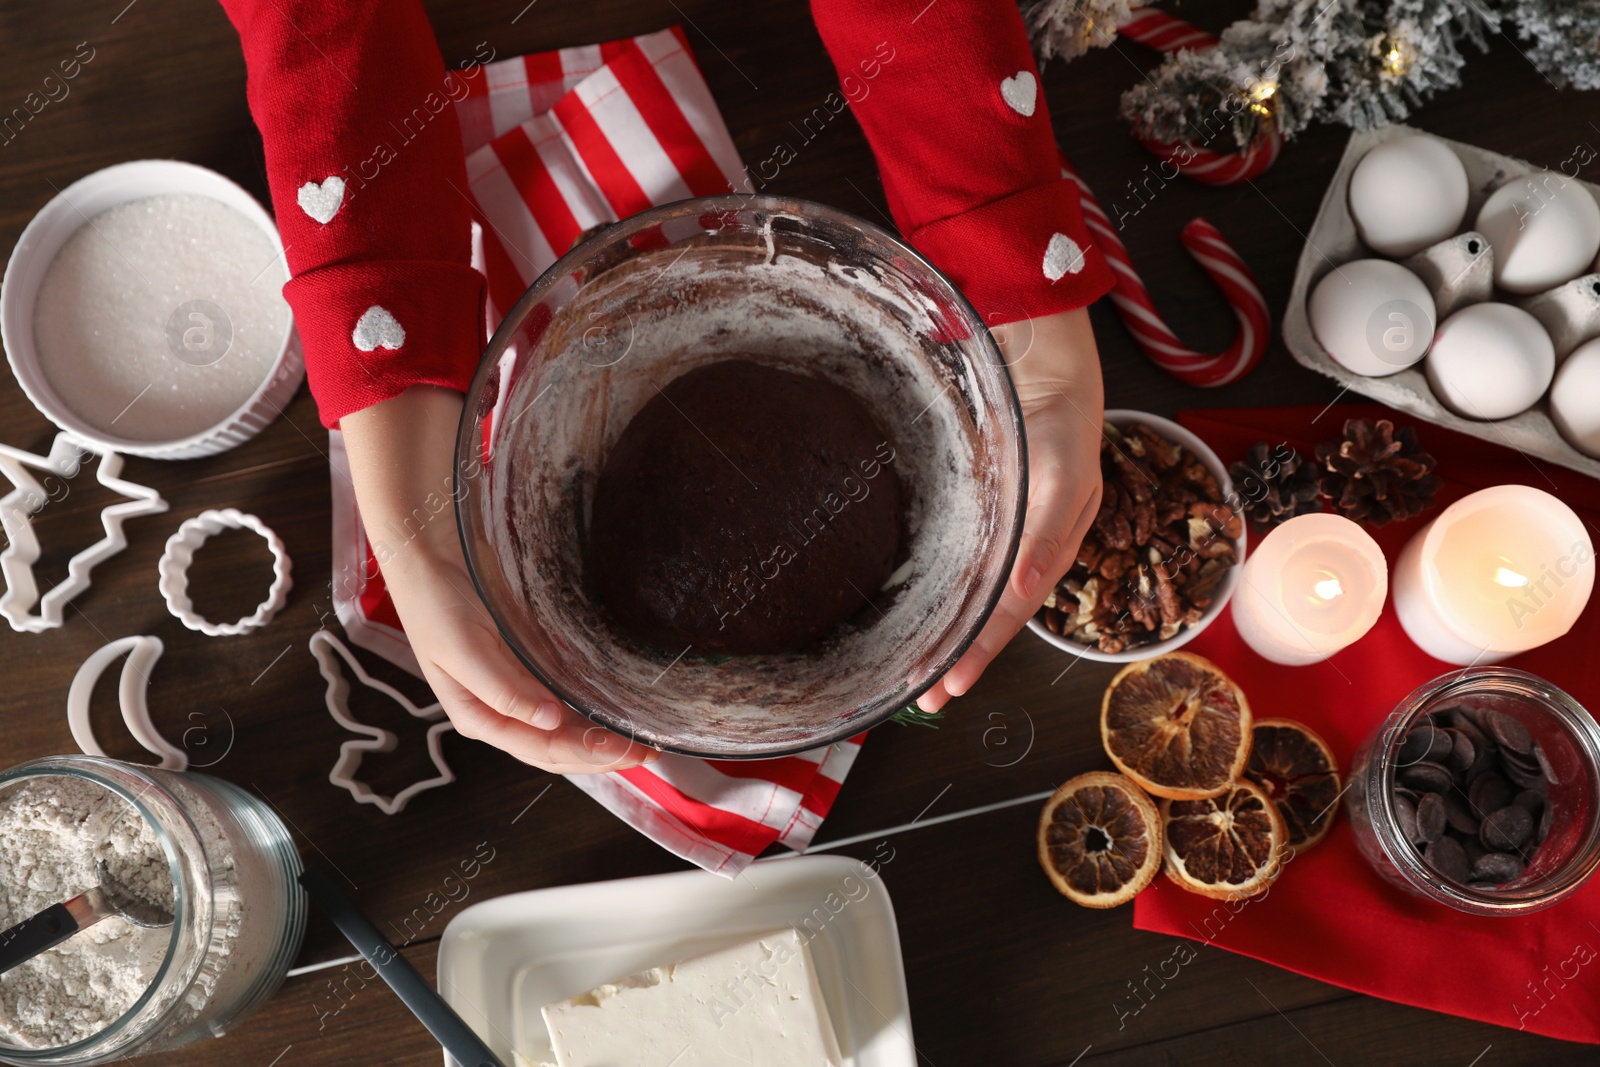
x=160, y=317
x=661, y=314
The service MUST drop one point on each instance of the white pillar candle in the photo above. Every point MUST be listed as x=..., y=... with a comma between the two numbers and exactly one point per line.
x=1504, y=570
x=1312, y=586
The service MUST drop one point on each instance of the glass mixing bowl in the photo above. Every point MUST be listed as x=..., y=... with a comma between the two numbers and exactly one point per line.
x=796, y=285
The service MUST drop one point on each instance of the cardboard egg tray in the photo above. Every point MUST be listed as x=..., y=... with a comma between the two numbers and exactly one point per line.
x=1333, y=241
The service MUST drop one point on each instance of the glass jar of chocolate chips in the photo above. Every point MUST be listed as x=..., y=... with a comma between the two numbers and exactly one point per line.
x=1481, y=791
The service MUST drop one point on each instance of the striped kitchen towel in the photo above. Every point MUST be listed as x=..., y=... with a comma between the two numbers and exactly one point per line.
x=557, y=143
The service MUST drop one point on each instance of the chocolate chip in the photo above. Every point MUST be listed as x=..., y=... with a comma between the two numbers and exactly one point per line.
x=1526, y=777
x=1545, y=821
x=1421, y=742
x=1486, y=759
x=1544, y=764
x=1508, y=731
x=1524, y=760
x=1427, y=777
x=1448, y=858
x=1507, y=829
x=1430, y=817
x=1475, y=715
x=1458, y=812
x=1529, y=800
x=1405, y=814
x=1497, y=868
x=1464, y=725
x=1488, y=793
x=1462, y=751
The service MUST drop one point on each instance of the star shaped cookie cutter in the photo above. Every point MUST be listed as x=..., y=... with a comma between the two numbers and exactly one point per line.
x=27, y=497
x=328, y=650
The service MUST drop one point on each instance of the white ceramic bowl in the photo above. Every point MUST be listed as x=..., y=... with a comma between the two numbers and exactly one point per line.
x=57, y=221
x=1173, y=432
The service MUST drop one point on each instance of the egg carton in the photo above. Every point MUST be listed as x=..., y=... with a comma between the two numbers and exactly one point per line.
x=1333, y=241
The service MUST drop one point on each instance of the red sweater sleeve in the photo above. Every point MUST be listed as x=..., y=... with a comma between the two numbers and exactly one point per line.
x=950, y=99
x=369, y=189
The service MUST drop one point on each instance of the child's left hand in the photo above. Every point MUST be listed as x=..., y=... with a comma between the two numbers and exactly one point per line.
x=1056, y=369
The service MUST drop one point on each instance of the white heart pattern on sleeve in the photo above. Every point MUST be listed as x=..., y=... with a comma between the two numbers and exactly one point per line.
x=322, y=202
x=1062, y=256
x=377, y=329
x=1021, y=92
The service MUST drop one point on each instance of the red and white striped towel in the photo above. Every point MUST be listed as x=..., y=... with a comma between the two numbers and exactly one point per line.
x=556, y=143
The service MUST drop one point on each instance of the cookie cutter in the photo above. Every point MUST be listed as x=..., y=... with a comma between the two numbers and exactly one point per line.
x=142, y=652
x=27, y=497
x=328, y=650
x=173, y=568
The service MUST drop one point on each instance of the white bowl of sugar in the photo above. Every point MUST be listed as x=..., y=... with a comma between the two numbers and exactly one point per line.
x=142, y=312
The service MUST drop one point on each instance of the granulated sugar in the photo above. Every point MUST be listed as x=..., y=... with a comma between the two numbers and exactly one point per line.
x=52, y=832
x=120, y=336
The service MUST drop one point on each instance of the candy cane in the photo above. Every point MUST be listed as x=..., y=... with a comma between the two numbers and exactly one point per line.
x=1167, y=34
x=1218, y=259
x=1163, y=32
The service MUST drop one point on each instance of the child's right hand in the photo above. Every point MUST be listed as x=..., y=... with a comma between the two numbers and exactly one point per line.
x=401, y=452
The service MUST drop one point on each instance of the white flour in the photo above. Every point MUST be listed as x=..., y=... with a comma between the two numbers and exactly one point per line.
x=52, y=833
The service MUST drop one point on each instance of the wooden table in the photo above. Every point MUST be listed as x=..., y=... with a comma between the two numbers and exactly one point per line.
x=1001, y=969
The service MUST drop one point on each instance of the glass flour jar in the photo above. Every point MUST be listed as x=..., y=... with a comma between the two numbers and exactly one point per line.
x=239, y=913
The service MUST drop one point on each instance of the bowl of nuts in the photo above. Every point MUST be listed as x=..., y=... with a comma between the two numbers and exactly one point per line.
x=1163, y=554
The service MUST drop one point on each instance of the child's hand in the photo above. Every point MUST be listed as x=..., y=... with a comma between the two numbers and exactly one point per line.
x=1056, y=369
x=401, y=453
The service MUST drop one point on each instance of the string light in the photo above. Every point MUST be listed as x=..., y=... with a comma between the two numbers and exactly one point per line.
x=1395, y=55
x=1261, y=95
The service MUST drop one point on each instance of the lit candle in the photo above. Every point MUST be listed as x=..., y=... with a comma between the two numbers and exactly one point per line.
x=1504, y=570
x=1312, y=586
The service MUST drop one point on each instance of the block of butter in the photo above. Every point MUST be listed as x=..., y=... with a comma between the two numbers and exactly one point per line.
x=754, y=1003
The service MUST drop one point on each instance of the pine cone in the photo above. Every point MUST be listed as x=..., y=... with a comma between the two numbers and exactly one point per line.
x=1377, y=474
x=1274, y=485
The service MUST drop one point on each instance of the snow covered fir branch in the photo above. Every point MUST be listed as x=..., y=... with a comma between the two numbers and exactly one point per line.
x=1293, y=63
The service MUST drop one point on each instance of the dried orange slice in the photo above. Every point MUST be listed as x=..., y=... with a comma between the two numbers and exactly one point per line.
x=1176, y=725
x=1296, y=768
x=1228, y=846
x=1100, y=839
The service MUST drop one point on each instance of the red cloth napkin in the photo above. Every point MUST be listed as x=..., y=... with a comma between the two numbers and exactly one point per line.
x=1331, y=917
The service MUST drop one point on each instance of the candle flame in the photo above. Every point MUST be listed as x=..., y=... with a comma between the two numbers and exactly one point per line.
x=1329, y=589
x=1511, y=579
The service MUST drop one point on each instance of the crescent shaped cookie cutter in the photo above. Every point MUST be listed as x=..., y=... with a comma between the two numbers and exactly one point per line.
x=26, y=497
x=328, y=650
x=173, y=568
x=142, y=653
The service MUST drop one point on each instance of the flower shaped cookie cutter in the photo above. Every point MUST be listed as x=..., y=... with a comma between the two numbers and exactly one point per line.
x=181, y=547
x=142, y=653
x=329, y=650
x=26, y=497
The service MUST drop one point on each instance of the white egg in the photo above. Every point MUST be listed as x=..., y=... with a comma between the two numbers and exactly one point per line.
x=1372, y=316
x=1490, y=361
x=1545, y=229
x=1408, y=193
x=1575, y=398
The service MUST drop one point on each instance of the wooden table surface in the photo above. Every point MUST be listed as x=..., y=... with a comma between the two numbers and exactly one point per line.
x=1001, y=969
